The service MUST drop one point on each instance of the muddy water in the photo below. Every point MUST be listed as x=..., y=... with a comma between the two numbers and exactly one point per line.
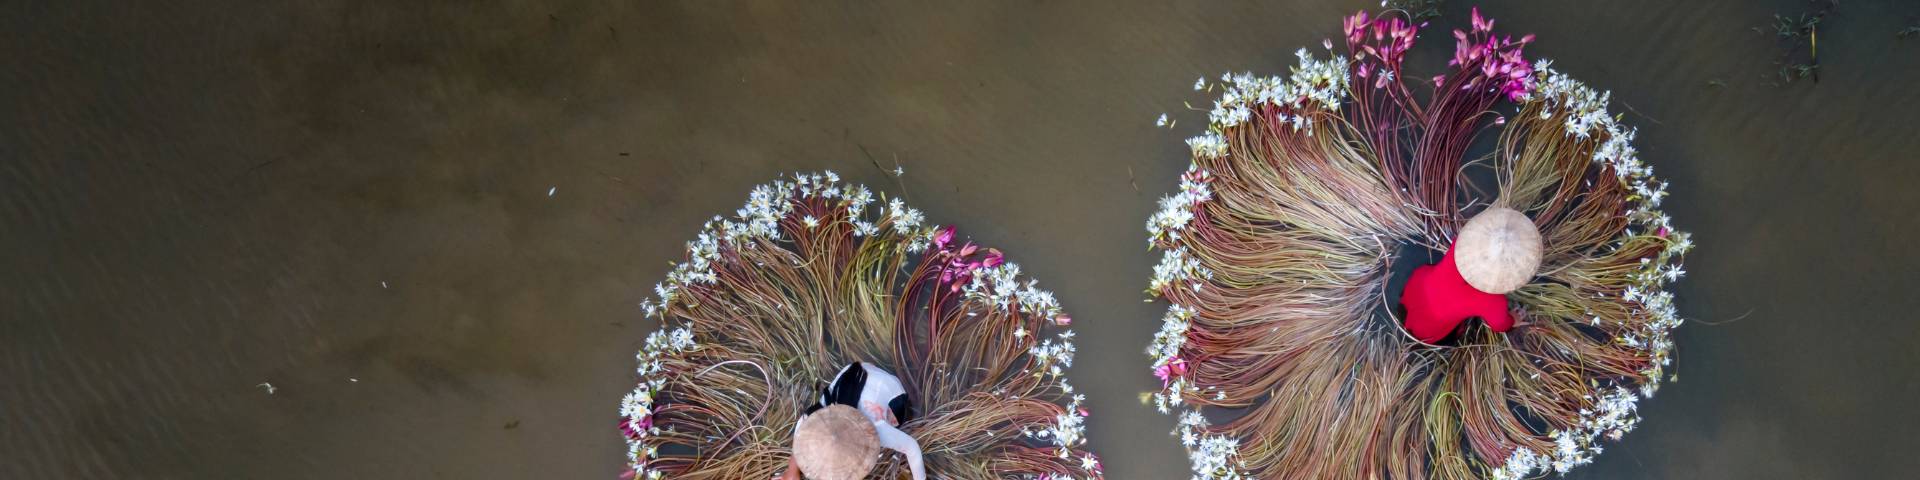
x=427, y=226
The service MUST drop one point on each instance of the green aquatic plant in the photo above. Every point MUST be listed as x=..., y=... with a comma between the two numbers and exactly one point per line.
x=1789, y=73
x=1278, y=247
x=1792, y=27
x=1795, y=31
x=807, y=279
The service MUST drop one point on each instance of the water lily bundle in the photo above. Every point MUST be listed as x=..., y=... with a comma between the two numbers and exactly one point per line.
x=808, y=279
x=1277, y=254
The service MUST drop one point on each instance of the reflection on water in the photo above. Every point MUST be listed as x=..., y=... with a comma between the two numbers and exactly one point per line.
x=349, y=199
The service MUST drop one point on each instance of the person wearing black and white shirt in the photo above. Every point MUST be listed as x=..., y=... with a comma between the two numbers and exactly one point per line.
x=877, y=395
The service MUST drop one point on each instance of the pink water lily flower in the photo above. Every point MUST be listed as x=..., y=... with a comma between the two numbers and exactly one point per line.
x=1379, y=46
x=1355, y=27
x=1499, y=60
x=1481, y=24
x=940, y=241
x=957, y=270
x=1167, y=372
x=636, y=430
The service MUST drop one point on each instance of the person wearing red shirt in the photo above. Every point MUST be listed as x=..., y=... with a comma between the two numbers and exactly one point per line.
x=1498, y=251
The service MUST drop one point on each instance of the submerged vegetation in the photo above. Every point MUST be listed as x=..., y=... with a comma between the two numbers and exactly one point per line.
x=768, y=306
x=1795, y=32
x=1278, y=248
x=1416, y=10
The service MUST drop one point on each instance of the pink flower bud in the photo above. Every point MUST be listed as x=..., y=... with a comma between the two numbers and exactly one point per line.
x=940, y=241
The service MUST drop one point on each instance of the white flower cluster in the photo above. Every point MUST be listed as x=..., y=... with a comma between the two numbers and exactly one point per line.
x=1171, y=399
x=1208, y=145
x=1165, y=348
x=1321, y=83
x=1586, y=109
x=1213, y=457
x=766, y=206
x=1069, y=429
x=1176, y=211
x=1612, y=416
x=1001, y=287
x=1055, y=356
x=1654, y=337
x=637, y=406
x=1587, y=117
x=1051, y=357
x=1175, y=266
x=1520, y=465
x=662, y=343
x=904, y=217
x=1586, y=113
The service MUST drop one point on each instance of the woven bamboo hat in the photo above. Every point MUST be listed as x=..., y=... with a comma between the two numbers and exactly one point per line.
x=1498, y=251
x=836, y=443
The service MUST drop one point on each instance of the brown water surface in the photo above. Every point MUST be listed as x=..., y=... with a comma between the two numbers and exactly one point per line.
x=350, y=200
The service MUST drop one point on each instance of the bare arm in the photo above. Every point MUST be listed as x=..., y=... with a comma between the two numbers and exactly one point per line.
x=899, y=441
x=793, y=471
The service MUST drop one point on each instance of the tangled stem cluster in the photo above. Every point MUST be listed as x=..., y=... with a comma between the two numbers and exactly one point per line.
x=1277, y=248
x=805, y=279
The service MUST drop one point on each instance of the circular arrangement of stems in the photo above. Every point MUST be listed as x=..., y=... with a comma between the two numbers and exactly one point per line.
x=806, y=280
x=1277, y=253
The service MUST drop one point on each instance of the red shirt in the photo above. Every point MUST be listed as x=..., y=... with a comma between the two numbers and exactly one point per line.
x=1438, y=299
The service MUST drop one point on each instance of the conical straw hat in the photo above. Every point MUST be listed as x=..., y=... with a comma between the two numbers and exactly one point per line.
x=1498, y=251
x=836, y=443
